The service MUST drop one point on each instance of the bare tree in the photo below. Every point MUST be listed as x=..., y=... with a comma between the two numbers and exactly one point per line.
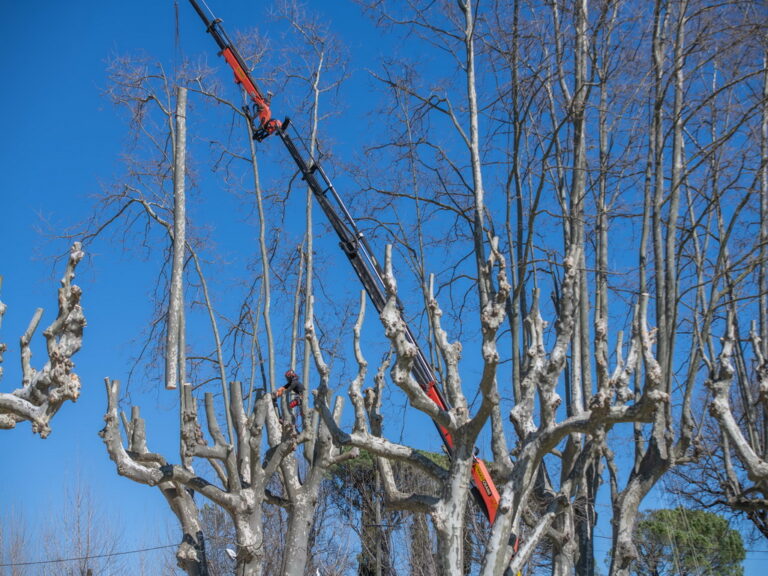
x=258, y=460
x=623, y=130
x=731, y=445
x=14, y=544
x=44, y=390
x=457, y=33
x=588, y=172
x=81, y=537
x=78, y=535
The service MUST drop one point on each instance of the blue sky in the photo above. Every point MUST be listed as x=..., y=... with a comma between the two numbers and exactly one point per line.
x=61, y=142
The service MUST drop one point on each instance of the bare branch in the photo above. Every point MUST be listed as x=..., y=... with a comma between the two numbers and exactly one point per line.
x=44, y=391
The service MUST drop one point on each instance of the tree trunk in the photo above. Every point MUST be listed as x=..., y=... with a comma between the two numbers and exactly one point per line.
x=298, y=537
x=422, y=561
x=174, y=351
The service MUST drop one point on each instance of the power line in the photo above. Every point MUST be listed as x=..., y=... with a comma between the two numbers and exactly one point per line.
x=154, y=548
x=91, y=557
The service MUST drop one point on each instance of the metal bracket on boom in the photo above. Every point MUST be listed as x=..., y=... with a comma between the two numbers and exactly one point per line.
x=212, y=26
x=260, y=131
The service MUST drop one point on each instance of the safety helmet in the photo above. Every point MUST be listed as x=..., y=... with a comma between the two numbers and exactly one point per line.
x=290, y=374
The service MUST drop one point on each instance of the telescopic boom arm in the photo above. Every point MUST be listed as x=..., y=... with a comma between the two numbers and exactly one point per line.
x=351, y=240
x=266, y=124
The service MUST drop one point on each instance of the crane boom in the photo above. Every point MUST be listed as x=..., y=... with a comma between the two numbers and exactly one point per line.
x=351, y=239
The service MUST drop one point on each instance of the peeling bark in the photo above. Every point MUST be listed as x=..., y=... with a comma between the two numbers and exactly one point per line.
x=43, y=391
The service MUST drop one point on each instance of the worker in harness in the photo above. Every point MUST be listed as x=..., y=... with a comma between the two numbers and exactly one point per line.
x=295, y=387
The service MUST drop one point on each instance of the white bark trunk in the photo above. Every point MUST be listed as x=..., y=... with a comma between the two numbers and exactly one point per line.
x=174, y=356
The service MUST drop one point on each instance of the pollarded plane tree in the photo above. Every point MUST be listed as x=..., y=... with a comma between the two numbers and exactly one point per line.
x=738, y=373
x=144, y=198
x=419, y=388
x=460, y=204
x=449, y=511
x=458, y=173
x=364, y=264
x=699, y=205
x=44, y=390
x=256, y=463
x=630, y=215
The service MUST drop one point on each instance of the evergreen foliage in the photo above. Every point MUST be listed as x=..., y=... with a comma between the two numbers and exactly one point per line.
x=687, y=542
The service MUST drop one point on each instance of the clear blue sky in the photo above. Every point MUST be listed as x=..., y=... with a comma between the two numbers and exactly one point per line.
x=61, y=139
x=61, y=142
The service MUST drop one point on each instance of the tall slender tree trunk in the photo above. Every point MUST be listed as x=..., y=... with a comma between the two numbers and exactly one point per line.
x=297, y=538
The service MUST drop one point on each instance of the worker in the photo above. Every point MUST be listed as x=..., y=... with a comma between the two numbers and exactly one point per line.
x=295, y=387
